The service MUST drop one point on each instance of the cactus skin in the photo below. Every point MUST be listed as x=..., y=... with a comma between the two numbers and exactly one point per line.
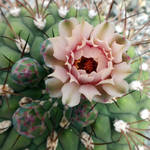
x=84, y=114
x=69, y=139
x=27, y=72
x=29, y=120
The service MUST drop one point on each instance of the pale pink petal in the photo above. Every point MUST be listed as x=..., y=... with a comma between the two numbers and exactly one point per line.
x=121, y=70
x=103, y=32
x=89, y=91
x=66, y=27
x=70, y=94
x=119, y=46
x=104, y=97
x=53, y=87
x=80, y=32
x=107, y=81
x=72, y=78
x=84, y=78
x=104, y=73
x=59, y=46
x=92, y=52
x=118, y=89
x=60, y=73
x=49, y=59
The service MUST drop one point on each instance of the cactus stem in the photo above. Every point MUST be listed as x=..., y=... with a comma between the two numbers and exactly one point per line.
x=21, y=45
x=53, y=32
x=141, y=42
x=4, y=69
x=44, y=17
x=136, y=14
x=110, y=8
x=7, y=103
x=126, y=137
x=115, y=102
x=51, y=142
x=10, y=3
x=135, y=59
x=131, y=123
x=92, y=107
x=42, y=6
x=128, y=93
x=43, y=11
x=125, y=21
x=87, y=141
x=2, y=5
x=9, y=25
x=19, y=42
x=134, y=142
x=97, y=9
x=44, y=33
x=129, y=132
x=31, y=17
x=13, y=9
x=92, y=128
x=15, y=142
x=4, y=86
x=5, y=81
x=37, y=8
x=10, y=61
x=23, y=51
x=136, y=132
x=137, y=129
x=28, y=9
x=139, y=140
x=139, y=30
x=8, y=38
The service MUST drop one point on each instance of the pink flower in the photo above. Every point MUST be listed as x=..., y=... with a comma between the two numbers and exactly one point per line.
x=87, y=61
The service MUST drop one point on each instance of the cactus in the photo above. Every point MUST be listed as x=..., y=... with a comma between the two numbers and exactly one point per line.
x=27, y=72
x=36, y=113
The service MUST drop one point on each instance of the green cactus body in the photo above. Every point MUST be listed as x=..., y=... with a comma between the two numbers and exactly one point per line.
x=27, y=72
x=34, y=123
x=29, y=120
x=84, y=114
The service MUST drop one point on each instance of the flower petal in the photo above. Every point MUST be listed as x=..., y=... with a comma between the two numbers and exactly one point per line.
x=66, y=27
x=119, y=46
x=59, y=46
x=107, y=81
x=47, y=52
x=80, y=32
x=53, y=86
x=104, y=73
x=103, y=32
x=72, y=78
x=121, y=70
x=60, y=73
x=119, y=88
x=89, y=91
x=70, y=94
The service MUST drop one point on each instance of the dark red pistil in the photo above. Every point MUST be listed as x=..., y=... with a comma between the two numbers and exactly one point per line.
x=87, y=64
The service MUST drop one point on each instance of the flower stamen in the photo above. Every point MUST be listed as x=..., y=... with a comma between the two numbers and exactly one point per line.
x=87, y=64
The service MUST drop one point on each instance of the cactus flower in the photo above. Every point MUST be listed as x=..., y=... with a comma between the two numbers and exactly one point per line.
x=87, y=61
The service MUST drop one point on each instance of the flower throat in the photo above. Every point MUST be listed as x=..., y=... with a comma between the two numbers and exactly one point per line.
x=87, y=64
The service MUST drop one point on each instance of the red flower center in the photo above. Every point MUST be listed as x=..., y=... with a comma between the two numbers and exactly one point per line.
x=87, y=64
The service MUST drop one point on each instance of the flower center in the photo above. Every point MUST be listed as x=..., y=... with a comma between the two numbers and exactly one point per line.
x=87, y=64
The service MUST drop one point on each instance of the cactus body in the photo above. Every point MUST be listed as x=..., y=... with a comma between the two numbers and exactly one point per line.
x=47, y=124
x=29, y=120
x=27, y=72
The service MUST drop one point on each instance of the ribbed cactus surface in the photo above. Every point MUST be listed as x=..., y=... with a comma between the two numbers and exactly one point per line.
x=32, y=118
